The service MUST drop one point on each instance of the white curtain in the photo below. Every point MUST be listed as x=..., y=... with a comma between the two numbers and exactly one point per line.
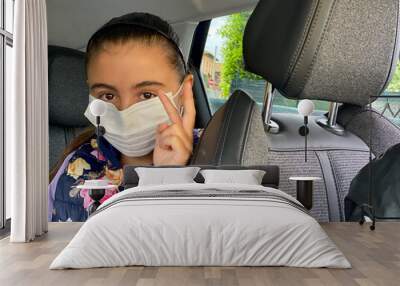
x=27, y=123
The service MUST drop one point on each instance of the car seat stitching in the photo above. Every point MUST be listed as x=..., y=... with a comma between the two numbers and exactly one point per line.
x=225, y=131
x=311, y=67
x=308, y=39
x=301, y=42
x=217, y=147
x=336, y=185
x=326, y=189
x=248, y=124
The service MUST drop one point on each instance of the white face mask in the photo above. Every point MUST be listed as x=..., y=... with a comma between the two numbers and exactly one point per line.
x=132, y=131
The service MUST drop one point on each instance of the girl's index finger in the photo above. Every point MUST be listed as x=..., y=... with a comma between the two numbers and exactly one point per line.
x=172, y=112
x=189, y=115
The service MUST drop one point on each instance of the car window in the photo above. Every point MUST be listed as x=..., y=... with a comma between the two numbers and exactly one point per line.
x=222, y=72
x=389, y=104
x=222, y=68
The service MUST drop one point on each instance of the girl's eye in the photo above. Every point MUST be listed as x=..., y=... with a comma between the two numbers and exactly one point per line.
x=147, y=95
x=107, y=97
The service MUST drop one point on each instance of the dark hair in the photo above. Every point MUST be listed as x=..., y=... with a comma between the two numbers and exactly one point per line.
x=146, y=28
x=143, y=27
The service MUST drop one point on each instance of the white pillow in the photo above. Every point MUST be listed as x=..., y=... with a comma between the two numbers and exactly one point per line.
x=162, y=176
x=248, y=177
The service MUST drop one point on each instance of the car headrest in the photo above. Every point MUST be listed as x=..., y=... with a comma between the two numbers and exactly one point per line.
x=68, y=92
x=342, y=51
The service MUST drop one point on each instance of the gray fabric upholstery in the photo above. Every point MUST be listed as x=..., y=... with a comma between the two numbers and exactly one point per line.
x=384, y=133
x=256, y=149
x=345, y=166
x=341, y=51
x=335, y=159
x=292, y=164
x=334, y=50
x=68, y=99
x=68, y=92
x=356, y=55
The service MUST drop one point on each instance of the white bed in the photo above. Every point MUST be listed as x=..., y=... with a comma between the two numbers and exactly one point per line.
x=201, y=224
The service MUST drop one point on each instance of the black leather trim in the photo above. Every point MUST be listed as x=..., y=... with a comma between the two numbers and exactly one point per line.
x=203, y=112
x=330, y=186
x=306, y=59
x=273, y=37
x=282, y=39
x=225, y=137
x=198, y=43
x=205, y=149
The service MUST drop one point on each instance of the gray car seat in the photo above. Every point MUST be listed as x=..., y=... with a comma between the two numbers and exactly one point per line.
x=68, y=98
x=337, y=51
x=360, y=121
x=234, y=135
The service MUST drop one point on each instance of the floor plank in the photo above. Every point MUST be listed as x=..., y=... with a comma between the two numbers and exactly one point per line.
x=374, y=255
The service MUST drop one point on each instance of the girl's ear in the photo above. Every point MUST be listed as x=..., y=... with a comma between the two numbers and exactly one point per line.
x=188, y=86
x=186, y=103
x=189, y=79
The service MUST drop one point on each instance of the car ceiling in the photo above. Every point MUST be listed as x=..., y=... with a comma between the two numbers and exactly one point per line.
x=71, y=22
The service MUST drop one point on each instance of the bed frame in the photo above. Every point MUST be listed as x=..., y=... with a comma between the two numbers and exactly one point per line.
x=375, y=257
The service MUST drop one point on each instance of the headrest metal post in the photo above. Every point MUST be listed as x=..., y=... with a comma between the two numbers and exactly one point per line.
x=333, y=111
x=270, y=126
x=330, y=122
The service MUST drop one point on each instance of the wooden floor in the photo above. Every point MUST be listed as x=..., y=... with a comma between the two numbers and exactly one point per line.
x=375, y=257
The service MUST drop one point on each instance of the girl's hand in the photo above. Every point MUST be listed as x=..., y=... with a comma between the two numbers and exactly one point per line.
x=174, y=142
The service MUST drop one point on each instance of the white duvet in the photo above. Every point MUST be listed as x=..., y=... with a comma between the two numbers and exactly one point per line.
x=267, y=229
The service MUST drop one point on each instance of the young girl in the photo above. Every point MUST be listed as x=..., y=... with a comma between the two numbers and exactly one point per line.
x=134, y=64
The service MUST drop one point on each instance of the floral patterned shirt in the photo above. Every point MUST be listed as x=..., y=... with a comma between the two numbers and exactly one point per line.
x=88, y=162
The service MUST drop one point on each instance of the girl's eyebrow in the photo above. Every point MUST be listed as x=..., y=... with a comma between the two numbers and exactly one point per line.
x=102, y=85
x=136, y=86
x=148, y=83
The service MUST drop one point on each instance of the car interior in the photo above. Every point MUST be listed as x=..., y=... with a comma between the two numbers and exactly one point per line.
x=339, y=54
x=245, y=138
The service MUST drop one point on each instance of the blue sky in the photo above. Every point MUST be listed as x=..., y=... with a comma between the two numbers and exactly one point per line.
x=214, y=41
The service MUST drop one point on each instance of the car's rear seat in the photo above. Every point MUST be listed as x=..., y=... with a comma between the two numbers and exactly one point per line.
x=68, y=98
x=337, y=51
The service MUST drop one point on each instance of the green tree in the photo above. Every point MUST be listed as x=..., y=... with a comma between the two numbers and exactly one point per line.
x=394, y=85
x=232, y=67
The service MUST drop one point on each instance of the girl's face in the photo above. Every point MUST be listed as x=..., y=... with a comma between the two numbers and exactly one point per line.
x=127, y=73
